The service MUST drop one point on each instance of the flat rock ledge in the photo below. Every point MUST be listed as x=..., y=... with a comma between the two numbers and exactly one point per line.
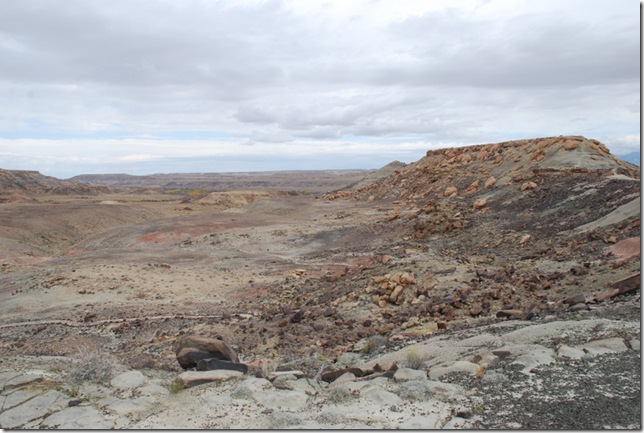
x=501, y=376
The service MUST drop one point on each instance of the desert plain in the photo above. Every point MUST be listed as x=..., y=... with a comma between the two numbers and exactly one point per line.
x=493, y=286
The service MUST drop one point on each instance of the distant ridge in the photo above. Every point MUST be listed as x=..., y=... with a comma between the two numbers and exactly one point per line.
x=292, y=180
x=633, y=157
x=33, y=182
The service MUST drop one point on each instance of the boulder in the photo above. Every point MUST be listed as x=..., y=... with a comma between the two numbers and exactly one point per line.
x=456, y=367
x=129, y=380
x=331, y=376
x=509, y=314
x=570, y=352
x=490, y=182
x=570, y=144
x=450, y=191
x=473, y=186
x=608, y=345
x=218, y=364
x=480, y=203
x=193, y=348
x=528, y=185
x=276, y=374
x=407, y=374
x=576, y=299
x=380, y=396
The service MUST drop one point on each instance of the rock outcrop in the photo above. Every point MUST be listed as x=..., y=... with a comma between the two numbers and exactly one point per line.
x=513, y=162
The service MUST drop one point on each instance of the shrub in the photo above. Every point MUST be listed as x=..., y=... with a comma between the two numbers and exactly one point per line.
x=413, y=359
x=339, y=394
x=176, y=386
x=374, y=344
x=94, y=366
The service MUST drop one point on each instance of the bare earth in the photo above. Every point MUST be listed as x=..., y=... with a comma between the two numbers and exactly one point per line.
x=304, y=280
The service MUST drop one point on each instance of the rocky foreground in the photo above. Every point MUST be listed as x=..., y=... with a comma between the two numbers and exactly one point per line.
x=579, y=372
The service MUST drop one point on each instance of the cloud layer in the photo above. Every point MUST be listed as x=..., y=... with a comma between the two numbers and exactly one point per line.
x=130, y=82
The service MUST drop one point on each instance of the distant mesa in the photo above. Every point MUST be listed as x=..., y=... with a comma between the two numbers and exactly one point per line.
x=315, y=181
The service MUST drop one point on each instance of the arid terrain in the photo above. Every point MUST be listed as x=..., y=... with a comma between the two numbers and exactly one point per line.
x=470, y=244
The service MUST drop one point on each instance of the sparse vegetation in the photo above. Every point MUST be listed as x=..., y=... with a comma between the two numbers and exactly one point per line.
x=94, y=366
x=176, y=386
x=413, y=359
x=267, y=368
x=339, y=394
x=72, y=391
x=374, y=344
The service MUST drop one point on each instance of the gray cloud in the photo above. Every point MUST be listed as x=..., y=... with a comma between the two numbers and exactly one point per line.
x=301, y=73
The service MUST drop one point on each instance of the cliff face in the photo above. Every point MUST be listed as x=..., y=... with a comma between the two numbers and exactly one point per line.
x=33, y=182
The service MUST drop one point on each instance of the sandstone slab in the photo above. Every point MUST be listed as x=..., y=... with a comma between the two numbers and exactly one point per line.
x=129, y=380
x=283, y=399
x=456, y=367
x=570, y=352
x=194, y=378
x=608, y=345
x=30, y=410
x=407, y=374
x=380, y=396
x=77, y=418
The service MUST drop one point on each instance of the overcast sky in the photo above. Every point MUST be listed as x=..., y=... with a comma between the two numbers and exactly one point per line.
x=195, y=86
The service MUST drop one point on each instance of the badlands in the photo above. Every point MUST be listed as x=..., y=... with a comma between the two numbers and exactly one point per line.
x=490, y=286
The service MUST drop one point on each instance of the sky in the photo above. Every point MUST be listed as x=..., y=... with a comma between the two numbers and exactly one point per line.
x=141, y=87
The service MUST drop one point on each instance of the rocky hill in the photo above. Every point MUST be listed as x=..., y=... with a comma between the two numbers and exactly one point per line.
x=520, y=229
x=467, y=170
x=33, y=182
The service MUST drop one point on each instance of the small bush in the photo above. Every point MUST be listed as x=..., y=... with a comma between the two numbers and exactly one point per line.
x=339, y=394
x=269, y=367
x=414, y=360
x=374, y=344
x=72, y=391
x=176, y=386
x=94, y=366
